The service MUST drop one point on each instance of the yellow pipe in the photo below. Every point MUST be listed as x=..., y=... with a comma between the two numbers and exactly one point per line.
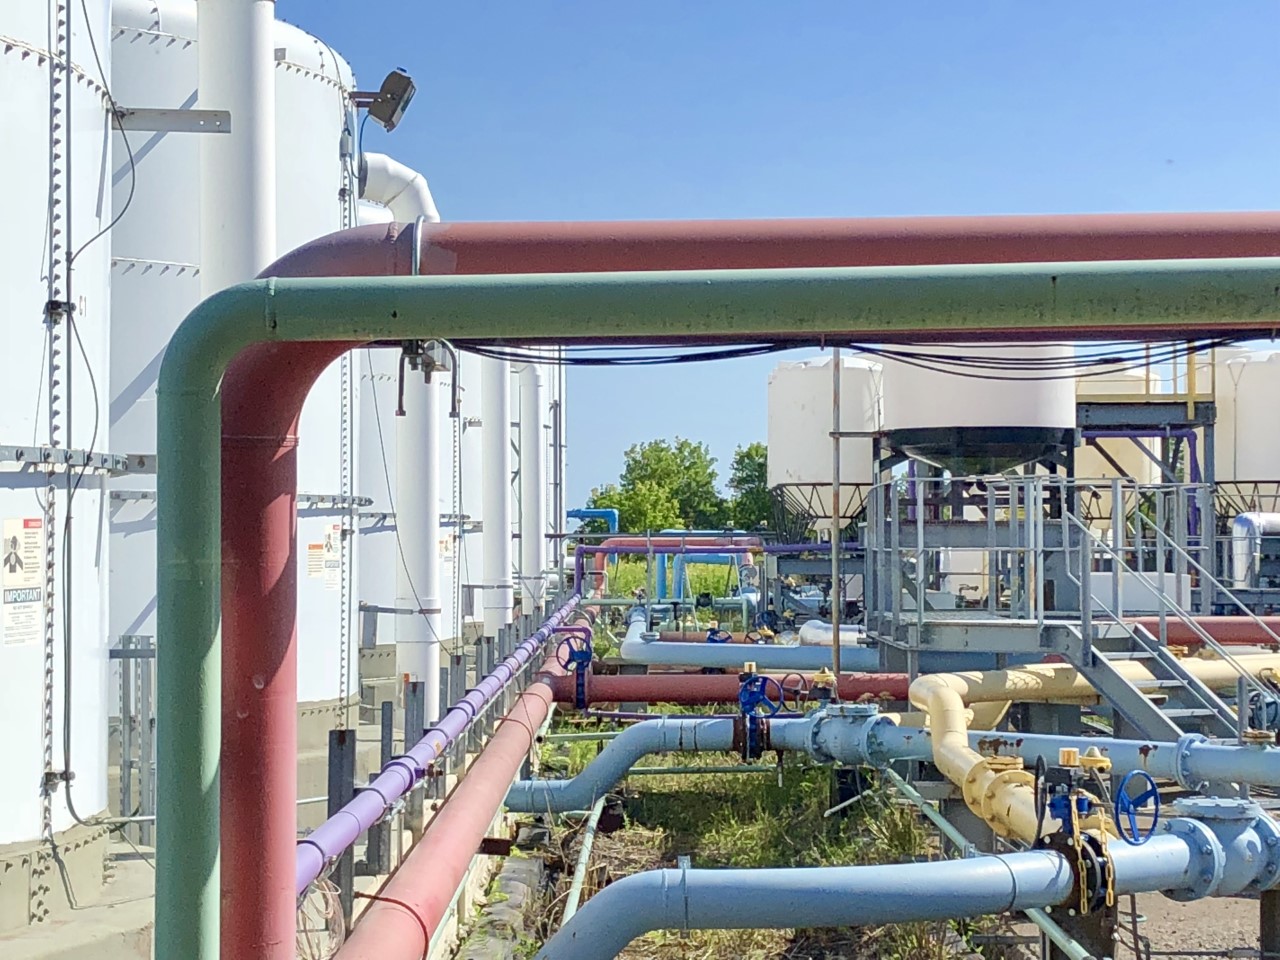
x=997, y=788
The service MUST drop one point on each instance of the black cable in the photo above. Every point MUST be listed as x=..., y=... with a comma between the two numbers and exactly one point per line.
x=128, y=149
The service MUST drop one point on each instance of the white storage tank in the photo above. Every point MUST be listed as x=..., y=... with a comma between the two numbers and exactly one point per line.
x=978, y=425
x=799, y=432
x=1247, y=396
x=42, y=221
x=155, y=260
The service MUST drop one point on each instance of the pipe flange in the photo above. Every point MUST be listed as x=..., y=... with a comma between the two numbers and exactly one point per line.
x=872, y=746
x=1182, y=759
x=1268, y=832
x=1211, y=859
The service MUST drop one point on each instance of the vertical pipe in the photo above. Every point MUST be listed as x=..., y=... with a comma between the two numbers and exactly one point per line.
x=495, y=417
x=237, y=169
x=837, y=586
x=533, y=516
x=418, y=575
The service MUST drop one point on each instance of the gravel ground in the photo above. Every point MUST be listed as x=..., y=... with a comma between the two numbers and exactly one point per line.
x=1214, y=927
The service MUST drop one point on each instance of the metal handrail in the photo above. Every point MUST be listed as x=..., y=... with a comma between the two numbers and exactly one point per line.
x=1184, y=615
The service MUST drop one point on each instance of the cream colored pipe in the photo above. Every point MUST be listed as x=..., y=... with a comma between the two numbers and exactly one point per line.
x=996, y=788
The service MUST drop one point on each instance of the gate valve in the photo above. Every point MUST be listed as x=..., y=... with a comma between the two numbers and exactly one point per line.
x=574, y=654
x=759, y=697
x=1128, y=808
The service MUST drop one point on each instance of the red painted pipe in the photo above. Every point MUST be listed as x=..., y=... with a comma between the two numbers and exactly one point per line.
x=1229, y=631
x=423, y=886
x=262, y=400
x=692, y=689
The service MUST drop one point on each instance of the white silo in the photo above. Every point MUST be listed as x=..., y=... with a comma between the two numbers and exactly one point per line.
x=800, y=397
x=54, y=112
x=156, y=264
x=1247, y=394
x=989, y=423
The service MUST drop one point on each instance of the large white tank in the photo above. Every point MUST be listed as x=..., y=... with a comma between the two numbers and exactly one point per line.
x=71, y=209
x=155, y=259
x=799, y=432
x=972, y=425
x=1247, y=395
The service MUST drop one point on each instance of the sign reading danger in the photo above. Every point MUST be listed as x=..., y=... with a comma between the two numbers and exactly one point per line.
x=20, y=579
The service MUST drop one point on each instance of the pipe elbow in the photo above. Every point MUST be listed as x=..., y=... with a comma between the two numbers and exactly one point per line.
x=399, y=188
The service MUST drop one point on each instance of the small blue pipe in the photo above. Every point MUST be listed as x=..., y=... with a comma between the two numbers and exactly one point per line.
x=607, y=514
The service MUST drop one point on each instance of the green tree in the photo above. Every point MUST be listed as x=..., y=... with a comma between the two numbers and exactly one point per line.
x=749, y=484
x=642, y=506
x=686, y=470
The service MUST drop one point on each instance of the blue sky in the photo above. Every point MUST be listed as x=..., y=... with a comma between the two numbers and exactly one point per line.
x=732, y=108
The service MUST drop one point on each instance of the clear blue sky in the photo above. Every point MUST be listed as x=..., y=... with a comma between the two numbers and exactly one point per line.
x=734, y=108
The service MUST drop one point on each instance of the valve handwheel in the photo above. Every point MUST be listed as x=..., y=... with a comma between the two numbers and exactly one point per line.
x=719, y=636
x=800, y=690
x=1128, y=807
x=573, y=651
x=760, y=696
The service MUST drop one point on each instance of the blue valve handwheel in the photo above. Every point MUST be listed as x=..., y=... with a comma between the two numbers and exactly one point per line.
x=1127, y=808
x=760, y=696
x=572, y=650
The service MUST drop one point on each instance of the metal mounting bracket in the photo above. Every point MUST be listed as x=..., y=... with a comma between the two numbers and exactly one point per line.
x=156, y=120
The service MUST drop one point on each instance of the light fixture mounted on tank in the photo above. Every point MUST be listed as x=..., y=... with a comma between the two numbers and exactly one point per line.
x=388, y=104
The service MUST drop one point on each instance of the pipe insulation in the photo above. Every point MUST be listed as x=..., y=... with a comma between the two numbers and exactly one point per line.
x=399, y=188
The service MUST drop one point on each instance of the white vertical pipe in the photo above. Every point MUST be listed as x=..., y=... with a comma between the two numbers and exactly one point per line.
x=418, y=440
x=237, y=169
x=533, y=513
x=495, y=417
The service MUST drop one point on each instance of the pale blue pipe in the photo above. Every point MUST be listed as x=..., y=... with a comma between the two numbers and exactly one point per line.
x=807, y=897
x=612, y=763
x=857, y=734
x=731, y=656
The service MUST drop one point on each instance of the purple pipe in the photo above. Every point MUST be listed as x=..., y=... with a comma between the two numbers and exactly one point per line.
x=400, y=774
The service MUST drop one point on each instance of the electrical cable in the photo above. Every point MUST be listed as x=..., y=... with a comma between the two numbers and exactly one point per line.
x=128, y=149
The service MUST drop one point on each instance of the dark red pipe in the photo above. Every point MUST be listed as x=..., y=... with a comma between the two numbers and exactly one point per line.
x=1229, y=631
x=415, y=899
x=692, y=689
x=264, y=389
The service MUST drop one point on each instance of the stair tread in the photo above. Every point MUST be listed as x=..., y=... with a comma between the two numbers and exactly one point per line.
x=1158, y=684
x=1127, y=654
x=1189, y=712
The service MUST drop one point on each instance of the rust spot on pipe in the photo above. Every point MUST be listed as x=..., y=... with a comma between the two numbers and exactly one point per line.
x=993, y=745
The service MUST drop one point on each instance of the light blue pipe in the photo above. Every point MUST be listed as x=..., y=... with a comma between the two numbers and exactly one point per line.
x=731, y=656
x=1231, y=847
x=1192, y=761
x=857, y=734
x=611, y=765
x=807, y=897
x=607, y=514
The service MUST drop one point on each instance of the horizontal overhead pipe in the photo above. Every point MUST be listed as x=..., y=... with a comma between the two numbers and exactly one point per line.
x=690, y=689
x=642, y=546
x=883, y=241
x=268, y=385
x=400, y=774
x=399, y=925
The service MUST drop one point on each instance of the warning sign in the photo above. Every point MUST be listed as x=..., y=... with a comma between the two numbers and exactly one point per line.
x=332, y=557
x=315, y=560
x=20, y=579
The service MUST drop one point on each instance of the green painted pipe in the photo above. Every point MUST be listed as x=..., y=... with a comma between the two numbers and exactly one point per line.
x=1014, y=301
x=584, y=860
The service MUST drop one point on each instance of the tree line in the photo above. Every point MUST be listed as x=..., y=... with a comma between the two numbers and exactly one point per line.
x=668, y=485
